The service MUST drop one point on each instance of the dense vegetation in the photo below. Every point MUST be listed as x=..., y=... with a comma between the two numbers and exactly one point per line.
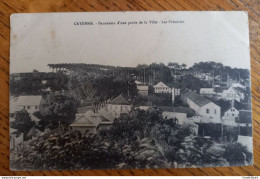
x=142, y=139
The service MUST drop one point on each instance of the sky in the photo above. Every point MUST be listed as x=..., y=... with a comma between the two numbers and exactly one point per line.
x=43, y=38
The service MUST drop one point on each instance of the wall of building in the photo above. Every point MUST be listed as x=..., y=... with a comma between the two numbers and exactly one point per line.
x=15, y=141
x=230, y=94
x=116, y=109
x=29, y=109
x=213, y=109
x=162, y=90
x=231, y=114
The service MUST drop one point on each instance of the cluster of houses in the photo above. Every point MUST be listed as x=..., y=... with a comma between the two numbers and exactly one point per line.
x=29, y=103
x=90, y=121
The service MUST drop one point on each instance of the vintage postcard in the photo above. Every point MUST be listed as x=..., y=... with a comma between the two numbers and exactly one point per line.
x=121, y=90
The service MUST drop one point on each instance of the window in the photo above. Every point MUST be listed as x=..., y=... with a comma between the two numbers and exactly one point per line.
x=24, y=107
x=121, y=108
x=207, y=111
x=233, y=114
x=215, y=111
x=28, y=107
x=36, y=107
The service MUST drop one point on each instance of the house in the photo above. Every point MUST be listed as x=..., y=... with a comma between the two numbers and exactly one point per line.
x=207, y=91
x=238, y=85
x=201, y=105
x=162, y=88
x=86, y=123
x=231, y=113
x=119, y=105
x=142, y=90
x=232, y=93
x=33, y=133
x=107, y=119
x=29, y=103
x=13, y=107
x=90, y=123
x=175, y=92
x=16, y=139
x=180, y=113
x=204, y=119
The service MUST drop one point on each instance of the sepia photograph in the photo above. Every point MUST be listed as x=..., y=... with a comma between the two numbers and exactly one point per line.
x=126, y=90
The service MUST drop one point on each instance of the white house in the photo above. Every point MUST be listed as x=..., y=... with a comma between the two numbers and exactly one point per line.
x=118, y=105
x=16, y=140
x=162, y=88
x=202, y=106
x=231, y=113
x=231, y=93
x=86, y=123
x=29, y=103
x=142, y=90
x=13, y=107
x=207, y=91
x=175, y=112
x=90, y=123
x=238, y=85
x=180, y=113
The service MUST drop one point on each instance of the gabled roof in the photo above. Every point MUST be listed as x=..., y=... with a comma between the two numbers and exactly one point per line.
x=89, y=119
x=119, y=100
x=106, y=116
x=29, y=100
x=160, y=84
x=234, y=103
x=239, y=85
x=197, y=99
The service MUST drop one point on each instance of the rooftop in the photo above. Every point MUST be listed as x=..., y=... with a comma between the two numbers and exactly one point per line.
x=87, y=119
x=160, y=84
x=120, y=100
x=197, y=99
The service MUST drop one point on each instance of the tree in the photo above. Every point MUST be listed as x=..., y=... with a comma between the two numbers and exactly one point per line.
x=58, y=108
x=22, y=122
x=58, y=82
x=29, y=85
x=237, y=154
